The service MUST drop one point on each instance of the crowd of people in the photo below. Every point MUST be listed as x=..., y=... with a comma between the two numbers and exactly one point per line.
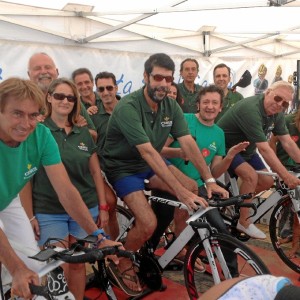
x=79, y=149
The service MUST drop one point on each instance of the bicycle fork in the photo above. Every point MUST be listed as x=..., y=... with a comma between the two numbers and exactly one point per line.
x=212, y=247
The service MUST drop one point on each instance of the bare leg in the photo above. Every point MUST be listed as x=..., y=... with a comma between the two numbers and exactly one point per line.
x=145, y=224
x=251, y=182
x=75, y=275
x=180, y=216
x=112, y=228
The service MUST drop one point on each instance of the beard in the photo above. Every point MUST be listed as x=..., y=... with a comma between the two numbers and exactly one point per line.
x=44, y=82
x=157, y=94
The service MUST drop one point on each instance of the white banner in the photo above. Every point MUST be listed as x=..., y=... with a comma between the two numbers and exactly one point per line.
x=128, y=67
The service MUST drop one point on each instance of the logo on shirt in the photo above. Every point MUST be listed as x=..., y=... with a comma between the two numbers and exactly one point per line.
x=212, y=146
x=31, y=171
x=83, y=147
x=166, y=122
x=205, y=152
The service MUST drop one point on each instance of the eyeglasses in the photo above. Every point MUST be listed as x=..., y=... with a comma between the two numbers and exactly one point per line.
x=109, y=88
x=279, y=99
x=159, y=78
x=59, y=96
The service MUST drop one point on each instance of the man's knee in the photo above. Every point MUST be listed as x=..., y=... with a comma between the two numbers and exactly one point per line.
x=247, y=174
x=146, y=227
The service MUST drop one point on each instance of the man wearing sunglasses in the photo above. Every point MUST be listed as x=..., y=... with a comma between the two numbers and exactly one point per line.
x=137, y=130
x=253, y=120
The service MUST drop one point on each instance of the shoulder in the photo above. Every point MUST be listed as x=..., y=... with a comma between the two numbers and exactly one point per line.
x=190, y=117
x=41, y=130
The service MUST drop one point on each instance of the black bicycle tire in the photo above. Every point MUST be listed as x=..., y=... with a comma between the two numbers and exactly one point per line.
x=283, y=202
x=127, y=214
x=253, y=261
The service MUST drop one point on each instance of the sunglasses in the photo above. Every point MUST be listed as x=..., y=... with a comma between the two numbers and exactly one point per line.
x=109, y=88
x=159, y=78
x=284, y=104
x=59, y=96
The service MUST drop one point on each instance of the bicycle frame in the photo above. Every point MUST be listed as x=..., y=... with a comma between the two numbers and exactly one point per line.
x=187, y=234
x=270, y=202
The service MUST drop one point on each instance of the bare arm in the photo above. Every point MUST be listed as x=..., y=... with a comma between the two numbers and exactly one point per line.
x=72, y=202
x=194, y=154
x=26, y=200
x=220, y=165
x=290, y=147
x=21, y=275
x=157, y=164
x=169, y=152
x=95, y=170
x=70, y=197
x=275, y=164
x=273, y=141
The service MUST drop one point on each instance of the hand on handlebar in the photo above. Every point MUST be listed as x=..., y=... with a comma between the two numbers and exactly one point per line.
x=214, y=188
x=20, y=283
x=191, y=200
x=291, y=181
x=109, y=243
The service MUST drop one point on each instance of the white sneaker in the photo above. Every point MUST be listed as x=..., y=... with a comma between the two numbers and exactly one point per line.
x=252, y=231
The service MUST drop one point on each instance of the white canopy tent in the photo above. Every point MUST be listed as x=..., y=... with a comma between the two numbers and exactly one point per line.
x=119, y=35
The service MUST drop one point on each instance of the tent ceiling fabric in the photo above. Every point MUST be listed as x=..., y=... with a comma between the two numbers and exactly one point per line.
x=214, y=28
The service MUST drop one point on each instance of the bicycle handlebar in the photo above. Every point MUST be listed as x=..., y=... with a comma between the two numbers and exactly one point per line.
x=40, y=291
x=92, y=255
x=236, y=200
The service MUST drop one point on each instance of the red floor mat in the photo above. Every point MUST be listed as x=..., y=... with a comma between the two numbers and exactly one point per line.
x=177, y=291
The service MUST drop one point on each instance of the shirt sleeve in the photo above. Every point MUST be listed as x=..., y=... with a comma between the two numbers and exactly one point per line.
x=50, y=155
x=180, y=125
x=131, y=126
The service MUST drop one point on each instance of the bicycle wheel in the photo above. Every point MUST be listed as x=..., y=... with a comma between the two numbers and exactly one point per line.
x=248, y=263
x=125, y=220
x=285, y=233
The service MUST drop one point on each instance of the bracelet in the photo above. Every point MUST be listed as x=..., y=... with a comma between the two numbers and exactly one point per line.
x=30, y=220
x=104, y=207
x=98, y=231
x=210, y=180
x=101, y=240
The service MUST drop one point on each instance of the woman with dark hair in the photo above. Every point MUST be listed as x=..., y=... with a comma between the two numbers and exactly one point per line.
x=174, y=93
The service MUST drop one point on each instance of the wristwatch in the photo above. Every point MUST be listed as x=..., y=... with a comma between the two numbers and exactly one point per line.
x=210, y=180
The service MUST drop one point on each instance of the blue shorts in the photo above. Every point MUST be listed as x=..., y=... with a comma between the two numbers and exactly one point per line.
x=133, y=183
x=255, y=161
x=61, y=226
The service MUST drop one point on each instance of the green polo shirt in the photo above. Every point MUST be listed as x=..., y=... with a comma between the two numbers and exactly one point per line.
x=19, y=164
x=210, y=140
x=248, y=121
x=295, y=135
x=87, y=105
x=189, y=98
x=229, y=101
x=86, y=115
x=133, y=123
x=100, y=120
x=75, y=149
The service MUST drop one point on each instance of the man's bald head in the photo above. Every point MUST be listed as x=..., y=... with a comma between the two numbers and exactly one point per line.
x=42, y=70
